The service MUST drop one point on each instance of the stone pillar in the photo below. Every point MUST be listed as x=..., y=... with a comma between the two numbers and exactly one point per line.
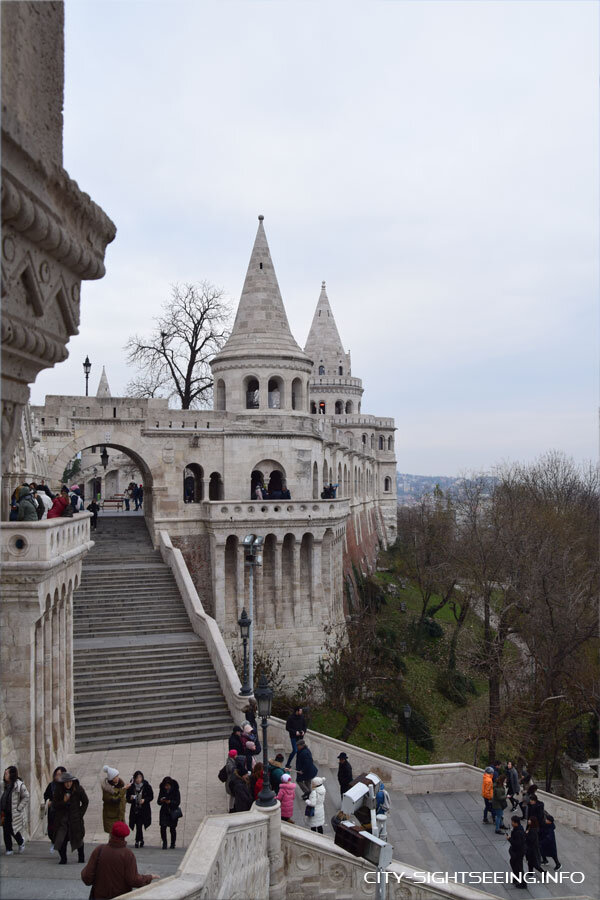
x=55, y=675
x=48, y=685
x=40, y=718
x=62, y=677
x=69, y=694
x=278, y=604
x=219, y=583
x=316, y=587
x=260, y=613
x=277, y=877
x=296, y=611
x=239, y=580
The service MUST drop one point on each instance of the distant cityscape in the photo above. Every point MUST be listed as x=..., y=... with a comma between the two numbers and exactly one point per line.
x=412, y=487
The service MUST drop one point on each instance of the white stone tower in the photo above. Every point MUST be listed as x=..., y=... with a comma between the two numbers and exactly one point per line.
x=261, y=367
x=333, y=391
x=103, y=388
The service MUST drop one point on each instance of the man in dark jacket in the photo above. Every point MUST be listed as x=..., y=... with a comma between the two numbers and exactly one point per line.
x=112, y=868
x=27, y=510
x=296, y=728
x=344, y=773
x=305, y=769
x=512, y=785
x=235, y=741
x=516, y=838
x=240, y=789
x=70, y=803
x=535, y=810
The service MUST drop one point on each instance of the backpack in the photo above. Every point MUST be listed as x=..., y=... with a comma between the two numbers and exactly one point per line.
x=384, y=803
x=67, y=512
x=222, y=774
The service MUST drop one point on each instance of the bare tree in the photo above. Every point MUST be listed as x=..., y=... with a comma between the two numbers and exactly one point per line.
x=174, y=360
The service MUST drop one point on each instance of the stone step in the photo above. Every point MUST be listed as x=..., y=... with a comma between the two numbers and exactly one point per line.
x=122, y=715
x=141, y=615
x=156, y=666
x=193, y=650
x=83, y=631
x=108, y=697
x=100, y=675
x=154, y=725
x=109, y=742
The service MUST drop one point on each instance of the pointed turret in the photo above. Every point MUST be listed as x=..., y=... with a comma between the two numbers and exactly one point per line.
x=324, y=345
x=261, y=324
x=103, y=388
x=261, y=367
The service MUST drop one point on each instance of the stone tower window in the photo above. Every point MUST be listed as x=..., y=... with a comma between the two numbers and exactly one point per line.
x=297, y=393
x=220, y=395
x=387, y=484
x=349, y=408
x=313, y=407
x=260, y=264
x=252, y=393
x=322, y=407
x=390, y=443
x=340, y=370
x=339, y=407
x=321, y=370
x=275, y=388
x=381, y=442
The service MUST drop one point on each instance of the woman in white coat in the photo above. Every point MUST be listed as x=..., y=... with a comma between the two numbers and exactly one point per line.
x=316, y=799
x=13, y=804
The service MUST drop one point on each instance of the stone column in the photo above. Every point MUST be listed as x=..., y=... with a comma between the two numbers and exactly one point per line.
x=219, y=583
x=296, y=611
x=260, y=613
x=55, y=676
x=316, y=587
x=40, y=756
x=62, y=677
x=69, y=707
x=277, y=877
x=48, y=685
x=239, y=580
x=278, y=604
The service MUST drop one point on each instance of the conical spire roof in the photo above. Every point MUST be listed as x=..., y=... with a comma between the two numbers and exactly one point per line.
x=261, y=325
x=323, y=341
x=103, y=388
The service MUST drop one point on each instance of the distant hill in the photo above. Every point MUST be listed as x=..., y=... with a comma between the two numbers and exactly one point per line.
x=412, y=487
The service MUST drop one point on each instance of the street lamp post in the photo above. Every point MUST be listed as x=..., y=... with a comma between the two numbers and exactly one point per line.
x=252, y=550
x=407, y=714
x=264, y=700
x=245, y=624
x=87, y=368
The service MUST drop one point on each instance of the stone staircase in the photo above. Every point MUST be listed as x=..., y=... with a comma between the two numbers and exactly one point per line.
x=141, y=675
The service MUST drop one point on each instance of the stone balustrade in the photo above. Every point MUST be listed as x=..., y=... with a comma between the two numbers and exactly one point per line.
x=41, y=568
x=287, y=511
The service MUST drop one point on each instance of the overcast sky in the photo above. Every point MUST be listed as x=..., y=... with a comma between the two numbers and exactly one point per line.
x=434, y=162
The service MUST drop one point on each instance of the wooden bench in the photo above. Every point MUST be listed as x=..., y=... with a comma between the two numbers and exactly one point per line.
x=113, y=502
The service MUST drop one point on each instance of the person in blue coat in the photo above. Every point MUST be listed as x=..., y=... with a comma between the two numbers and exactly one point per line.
x=548, y=841
x=305, y=769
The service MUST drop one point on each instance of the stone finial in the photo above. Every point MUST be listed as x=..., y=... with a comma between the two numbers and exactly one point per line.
x=103, y=388
x=261, y=218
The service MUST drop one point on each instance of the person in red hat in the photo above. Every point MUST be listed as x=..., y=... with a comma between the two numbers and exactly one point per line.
x=112, y=868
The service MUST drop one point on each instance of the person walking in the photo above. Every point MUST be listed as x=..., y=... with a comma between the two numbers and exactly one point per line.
x=94, y=508
x=169, y=800
x=316, y=802
x=532, y=846
x=240, y=788
x=27, y=510
x=13, y=809
x=536, y=810
x=344, y=773
x=305, y=769
x=512, y=785
x=227, y=772
x=49, y=798
x=548, y=841
x=487, y=792
x=516, y=853
x=141, y=496
x=235, y=741
x=114, y=792
x=525, y=783
x=499, y=804
x=286, y=795
x=112, y=868
x=70, y=803
x=257, y=780
x=296, y=728
x=139, y=794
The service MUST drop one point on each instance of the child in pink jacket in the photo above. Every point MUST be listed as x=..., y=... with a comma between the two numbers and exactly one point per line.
x=287, y=792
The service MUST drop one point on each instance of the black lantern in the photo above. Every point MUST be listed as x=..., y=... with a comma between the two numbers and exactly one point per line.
x=245, y=622
x=87, y=366
x=264, y=700
x=264, y=697
x=104, y=457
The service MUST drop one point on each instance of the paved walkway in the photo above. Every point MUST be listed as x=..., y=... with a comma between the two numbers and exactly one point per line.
x=441, y=832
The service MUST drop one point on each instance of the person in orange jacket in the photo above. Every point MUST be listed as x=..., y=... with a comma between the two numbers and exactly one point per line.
x=487, y=792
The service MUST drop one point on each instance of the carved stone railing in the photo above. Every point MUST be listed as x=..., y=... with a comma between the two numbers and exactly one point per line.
x=45, y=544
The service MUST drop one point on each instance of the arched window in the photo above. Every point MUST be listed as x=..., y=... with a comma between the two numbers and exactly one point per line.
x=215, y=487
x=193, y=483
x=321, y=370
x=340, y=370
x=252, y=390
x=297, y=393
x=315, y=481
x=364, y=440
x=387, y=484
x=372, y=441
x=275, y=392
x=325, y=474
x=308, y=395
x=359, y=406
x=220, y=395
x=321, y=407
x=381, y=442
x=390, y=443
x=339, y=407
x=348, y=407
x=267, y=481
x=313, y=407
